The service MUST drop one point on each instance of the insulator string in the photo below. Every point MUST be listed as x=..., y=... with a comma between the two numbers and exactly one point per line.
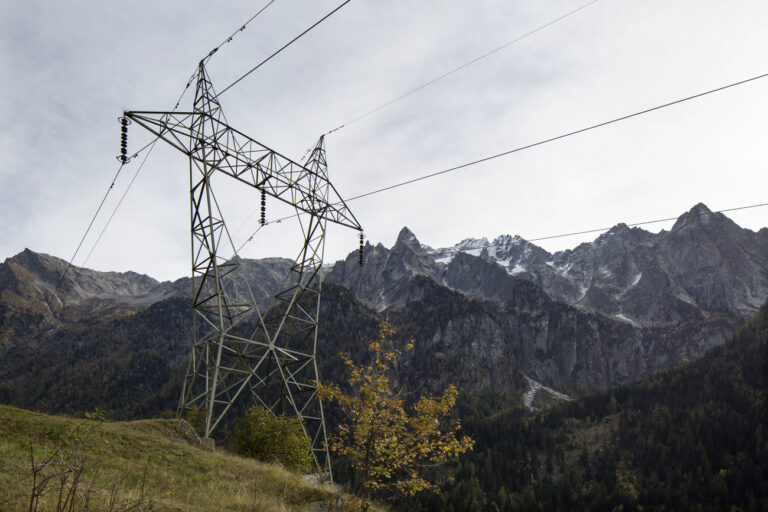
x=124, y=121
x=360, y=255
x=263, y=219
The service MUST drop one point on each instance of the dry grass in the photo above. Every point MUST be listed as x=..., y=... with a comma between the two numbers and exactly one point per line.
x=149, y=462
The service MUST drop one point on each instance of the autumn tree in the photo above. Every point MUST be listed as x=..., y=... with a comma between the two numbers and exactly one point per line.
x=387, y=444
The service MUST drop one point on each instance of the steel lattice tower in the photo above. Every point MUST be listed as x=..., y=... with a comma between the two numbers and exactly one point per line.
x=237, y=348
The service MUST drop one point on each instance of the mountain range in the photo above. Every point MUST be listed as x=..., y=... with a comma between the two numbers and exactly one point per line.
x=504, y=314
x=625, y=306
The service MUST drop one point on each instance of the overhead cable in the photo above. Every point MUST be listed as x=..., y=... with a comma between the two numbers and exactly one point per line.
x=120, y=202
x=657, y=221
x=242, y=27
x=558, y=137
x=286, y=45
x=455, y=70
x=562, y=235
x=150, y=145
x=603, y=230
x=87, y=230
x=528, y=146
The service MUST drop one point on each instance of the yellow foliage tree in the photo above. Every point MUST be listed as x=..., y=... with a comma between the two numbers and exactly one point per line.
x=387, y=444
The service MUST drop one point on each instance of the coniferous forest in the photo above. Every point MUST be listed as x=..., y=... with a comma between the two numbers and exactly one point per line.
x=692, y=438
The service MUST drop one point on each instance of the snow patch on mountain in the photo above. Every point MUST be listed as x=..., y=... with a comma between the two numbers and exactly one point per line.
x=517, y=269
x=625, y=318
x=471, y=244
x=503, y=250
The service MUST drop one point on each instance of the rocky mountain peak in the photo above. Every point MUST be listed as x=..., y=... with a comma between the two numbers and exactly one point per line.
x=507, y=240
x=699, y=215
x=619, y=228
x=618, y=234
x=45, y=267
x=26, y=254
x=405, y=236
x=700, y=209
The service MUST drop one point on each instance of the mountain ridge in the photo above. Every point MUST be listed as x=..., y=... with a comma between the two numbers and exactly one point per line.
x=671, y=295
x=620, y=308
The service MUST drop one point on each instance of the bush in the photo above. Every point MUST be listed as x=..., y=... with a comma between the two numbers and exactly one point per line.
x=263, y=437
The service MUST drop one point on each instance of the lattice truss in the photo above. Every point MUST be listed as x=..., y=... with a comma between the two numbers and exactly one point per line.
x=237, y=348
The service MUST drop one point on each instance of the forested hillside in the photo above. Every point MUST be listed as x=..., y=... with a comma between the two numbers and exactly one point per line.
x=693, y=438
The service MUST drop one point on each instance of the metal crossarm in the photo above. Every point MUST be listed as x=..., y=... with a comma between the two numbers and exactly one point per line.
x=247, y=160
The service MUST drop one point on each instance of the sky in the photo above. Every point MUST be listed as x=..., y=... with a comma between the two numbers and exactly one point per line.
x=70, y=69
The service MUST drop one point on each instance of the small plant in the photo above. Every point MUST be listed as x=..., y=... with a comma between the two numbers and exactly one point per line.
x=264, y=437
x=62, y=480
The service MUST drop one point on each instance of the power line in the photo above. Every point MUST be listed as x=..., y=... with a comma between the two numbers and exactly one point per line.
x=191, y=79
x=414, y=180
x=602, y=230
x=528, y=146
x=286, y=45
x=152, y=143
x=242, y=27
x=668, y=219
x=103, y=200
x=550, y=237
x=120, y=202
x=208, y=57
x=87, y=230
x=151, y=146
x=558, y=137
x=455, y=70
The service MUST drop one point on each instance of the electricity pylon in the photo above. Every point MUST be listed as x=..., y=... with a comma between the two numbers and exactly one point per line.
x=237, y=348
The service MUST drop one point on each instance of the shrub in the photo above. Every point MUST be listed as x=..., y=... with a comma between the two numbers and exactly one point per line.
x=266, y=438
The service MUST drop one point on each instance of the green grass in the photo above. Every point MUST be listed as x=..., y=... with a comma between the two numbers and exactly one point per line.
x=146, y=462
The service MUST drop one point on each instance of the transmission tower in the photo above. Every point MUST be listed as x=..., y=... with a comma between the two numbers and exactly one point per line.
x=239, y=349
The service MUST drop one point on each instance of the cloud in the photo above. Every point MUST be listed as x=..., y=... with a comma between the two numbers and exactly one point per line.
x=71, y=69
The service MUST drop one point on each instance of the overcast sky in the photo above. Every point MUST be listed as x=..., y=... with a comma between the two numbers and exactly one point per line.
x=71, y=67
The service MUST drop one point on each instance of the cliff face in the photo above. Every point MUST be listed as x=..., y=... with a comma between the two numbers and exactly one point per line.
x=638, y=302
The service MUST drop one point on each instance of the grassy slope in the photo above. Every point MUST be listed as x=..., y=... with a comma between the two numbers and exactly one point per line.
x=179, y=476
